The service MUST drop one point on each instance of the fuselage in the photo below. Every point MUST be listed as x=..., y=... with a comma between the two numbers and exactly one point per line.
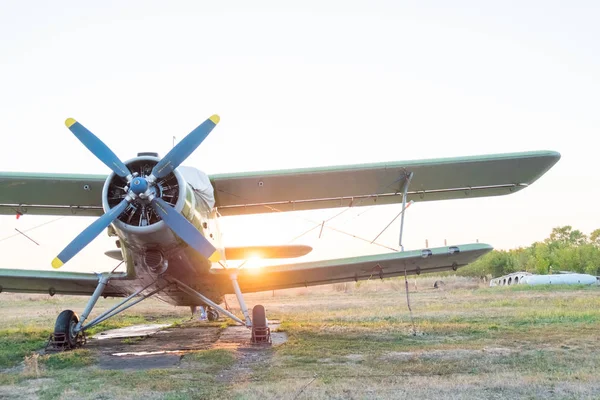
x=150, y=249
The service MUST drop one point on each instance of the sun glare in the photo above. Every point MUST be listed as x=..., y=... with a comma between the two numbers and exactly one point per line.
x=253, y=262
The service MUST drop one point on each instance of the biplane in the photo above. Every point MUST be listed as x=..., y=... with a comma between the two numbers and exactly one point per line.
x=164, y=218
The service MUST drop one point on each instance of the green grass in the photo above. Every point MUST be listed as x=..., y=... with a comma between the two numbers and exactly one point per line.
x=30, y=335
x=507, y=342
x=69, y=359
x=195, y=381
x=212, y=360
x=16, y=343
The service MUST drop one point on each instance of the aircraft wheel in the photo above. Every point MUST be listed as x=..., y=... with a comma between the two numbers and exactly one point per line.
x=212, y=314
x=65, y=324
x=261, y=333
x=259, y=316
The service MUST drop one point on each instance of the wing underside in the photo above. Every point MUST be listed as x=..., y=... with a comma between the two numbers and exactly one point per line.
x=353, y=269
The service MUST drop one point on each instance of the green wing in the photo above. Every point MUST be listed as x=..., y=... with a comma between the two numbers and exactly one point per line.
x=301, y=189
x=51, y=194
x=382, y=183
x=352, y=269
x=58, y=282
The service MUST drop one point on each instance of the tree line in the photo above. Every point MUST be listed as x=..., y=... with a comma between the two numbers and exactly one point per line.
x=564, y=250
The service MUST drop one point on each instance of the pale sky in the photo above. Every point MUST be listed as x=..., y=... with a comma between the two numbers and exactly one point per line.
x=313, y=84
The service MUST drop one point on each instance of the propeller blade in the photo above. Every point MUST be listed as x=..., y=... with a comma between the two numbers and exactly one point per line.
x=97, y=147
x=183, y=228
x=179, y=153
x=89, y=234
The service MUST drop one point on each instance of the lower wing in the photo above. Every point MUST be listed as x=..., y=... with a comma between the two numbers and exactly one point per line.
x=352, y=269
x=57, y=282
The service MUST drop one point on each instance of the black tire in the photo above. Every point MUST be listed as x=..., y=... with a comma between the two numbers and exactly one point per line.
x=65, y=324
x=259, y=316
x=212, y=315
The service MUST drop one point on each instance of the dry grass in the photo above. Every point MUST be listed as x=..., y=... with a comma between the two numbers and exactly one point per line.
x=356, y=342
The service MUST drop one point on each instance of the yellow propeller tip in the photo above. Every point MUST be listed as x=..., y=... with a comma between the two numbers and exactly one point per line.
x=215, y=118
x=69, y=122
x=56, y=263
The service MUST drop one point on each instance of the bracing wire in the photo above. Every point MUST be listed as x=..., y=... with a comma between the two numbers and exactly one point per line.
x=30, y=229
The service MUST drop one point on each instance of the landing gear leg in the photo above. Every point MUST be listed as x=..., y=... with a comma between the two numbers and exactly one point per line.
x=102, y=281
x=69, y=330
x=185, y=288
x=240, y=297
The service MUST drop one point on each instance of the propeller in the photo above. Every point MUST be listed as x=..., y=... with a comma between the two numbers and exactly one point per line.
x=89, y=234
x=184, y=229
x=179, y=153
x=98, y=148
x=139, y=190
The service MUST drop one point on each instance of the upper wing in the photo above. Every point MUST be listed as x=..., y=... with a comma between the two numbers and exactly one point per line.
x=382, y=183
x=51, y=194
x=352, y=269
x=55, y=282
x=302, y=189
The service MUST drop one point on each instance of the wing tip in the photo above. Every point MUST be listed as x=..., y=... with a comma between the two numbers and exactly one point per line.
x=69, y=122
x=215, y=119
x=549, y=154
x=555, y=154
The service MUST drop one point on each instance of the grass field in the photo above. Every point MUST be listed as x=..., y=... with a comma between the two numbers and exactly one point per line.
x=349, y=341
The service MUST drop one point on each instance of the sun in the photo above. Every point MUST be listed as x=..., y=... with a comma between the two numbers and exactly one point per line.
x=253, y=262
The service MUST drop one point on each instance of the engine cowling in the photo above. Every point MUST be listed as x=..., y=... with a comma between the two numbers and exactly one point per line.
x=139, y=225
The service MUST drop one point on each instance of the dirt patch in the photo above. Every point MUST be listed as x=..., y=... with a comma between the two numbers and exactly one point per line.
x=248, y=356
x=139, y=362
x=145, y=348
x=237, y=336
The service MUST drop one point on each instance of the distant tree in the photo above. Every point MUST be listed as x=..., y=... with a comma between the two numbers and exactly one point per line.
x=564, y=250
x=595, y=237
x=589, y=259
x=524, y=259
x=541, y=258
x=566, y=236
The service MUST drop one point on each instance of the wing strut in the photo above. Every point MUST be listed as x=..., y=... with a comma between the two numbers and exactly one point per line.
x=407, y=180
x=119, y=307
x=185, y=288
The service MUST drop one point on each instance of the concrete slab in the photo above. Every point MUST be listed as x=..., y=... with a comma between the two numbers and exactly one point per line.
x=130, y=331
